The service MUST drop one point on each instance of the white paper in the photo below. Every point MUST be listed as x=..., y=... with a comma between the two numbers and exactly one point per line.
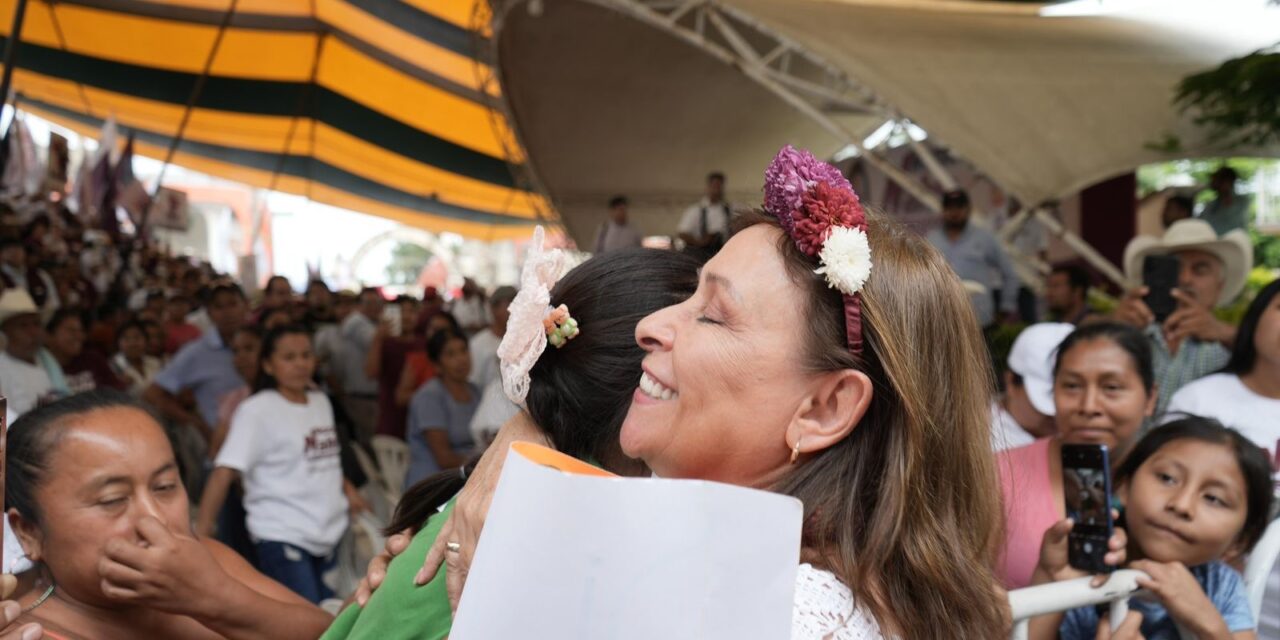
x=569, y=557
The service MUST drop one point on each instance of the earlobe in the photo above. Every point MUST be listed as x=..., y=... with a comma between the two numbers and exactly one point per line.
x=834, y=409
x=28, y=535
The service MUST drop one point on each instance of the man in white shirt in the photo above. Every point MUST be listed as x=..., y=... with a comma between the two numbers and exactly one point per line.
x=615, y=233
x=1026, y=411
x=470, y=310
x=484, y=345
x=360, y=391
x=705, y=226
x=23, y=379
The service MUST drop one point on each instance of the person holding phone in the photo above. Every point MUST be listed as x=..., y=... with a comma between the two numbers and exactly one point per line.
x=1190, y=342
x=1196, y=494
x=1103, y=390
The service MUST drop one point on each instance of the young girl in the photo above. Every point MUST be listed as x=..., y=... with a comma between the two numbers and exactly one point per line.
x=283, y=446
x=1194, y=493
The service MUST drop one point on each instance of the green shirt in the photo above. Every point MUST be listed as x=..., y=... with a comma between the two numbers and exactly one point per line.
x=399, y=609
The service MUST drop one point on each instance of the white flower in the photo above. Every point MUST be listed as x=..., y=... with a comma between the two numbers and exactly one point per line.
x=846, y=259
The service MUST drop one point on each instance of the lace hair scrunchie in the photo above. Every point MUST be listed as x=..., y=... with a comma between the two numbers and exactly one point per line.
x=819, y=210
x=526, y=336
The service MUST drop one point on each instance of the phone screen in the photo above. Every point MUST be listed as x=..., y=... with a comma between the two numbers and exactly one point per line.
x=1160, y=276
x=1086, y=489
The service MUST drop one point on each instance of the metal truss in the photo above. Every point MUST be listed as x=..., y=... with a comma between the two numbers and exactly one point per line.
x=816, y=88
x=799, y=77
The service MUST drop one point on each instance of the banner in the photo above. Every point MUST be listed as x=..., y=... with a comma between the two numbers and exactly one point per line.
x=170, y=210
x=569, y=551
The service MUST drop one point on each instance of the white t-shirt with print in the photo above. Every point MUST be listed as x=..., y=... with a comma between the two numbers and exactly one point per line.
x=1224, y=397
x=288, y=458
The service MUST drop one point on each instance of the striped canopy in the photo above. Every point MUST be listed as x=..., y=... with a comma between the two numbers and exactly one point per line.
x=378, y=106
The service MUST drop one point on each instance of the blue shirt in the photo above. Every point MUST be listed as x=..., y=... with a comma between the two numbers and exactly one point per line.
x=976, y=255
x=205, y=367
x=434, y=409
x=1221, y=583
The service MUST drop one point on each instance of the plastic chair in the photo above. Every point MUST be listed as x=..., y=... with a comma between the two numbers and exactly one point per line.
x=360, y=543
x=1259, y=568
x=393, y=459
x=375, y=491
x=1071, y=594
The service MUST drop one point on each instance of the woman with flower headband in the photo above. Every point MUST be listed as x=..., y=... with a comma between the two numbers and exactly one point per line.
x=797, y=367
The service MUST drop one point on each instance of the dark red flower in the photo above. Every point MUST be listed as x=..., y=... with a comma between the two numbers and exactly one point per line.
x=824, y=207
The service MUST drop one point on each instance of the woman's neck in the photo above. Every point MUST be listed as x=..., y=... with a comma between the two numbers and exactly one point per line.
x=82, y=620
x=1264, y=380
x=139, y=362
x=296, y=396
x=62, y=358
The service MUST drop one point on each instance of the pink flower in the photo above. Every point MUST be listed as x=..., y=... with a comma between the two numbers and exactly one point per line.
x=824, y=207
x=792, y=174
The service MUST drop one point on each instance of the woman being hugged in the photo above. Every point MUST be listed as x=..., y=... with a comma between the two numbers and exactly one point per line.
x=283, y=446
x=575, y=398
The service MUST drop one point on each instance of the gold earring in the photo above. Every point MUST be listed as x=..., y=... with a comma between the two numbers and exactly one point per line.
x=795, y=451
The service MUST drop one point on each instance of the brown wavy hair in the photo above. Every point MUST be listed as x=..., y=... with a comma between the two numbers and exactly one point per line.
x=907, y=509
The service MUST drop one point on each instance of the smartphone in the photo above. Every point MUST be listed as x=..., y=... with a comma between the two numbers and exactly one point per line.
x=1160, y=275
x=1086, y=488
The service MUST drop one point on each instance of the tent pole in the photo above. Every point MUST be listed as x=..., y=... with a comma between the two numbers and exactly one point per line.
x=930, y=160
x=11, y=48
x=186, y=112
x=1082, y=248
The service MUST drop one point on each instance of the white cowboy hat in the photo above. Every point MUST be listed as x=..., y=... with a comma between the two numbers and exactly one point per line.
x=16, y=302
x=1234, y=250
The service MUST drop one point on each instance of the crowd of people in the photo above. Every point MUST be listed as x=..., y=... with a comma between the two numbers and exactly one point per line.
x=184, y=462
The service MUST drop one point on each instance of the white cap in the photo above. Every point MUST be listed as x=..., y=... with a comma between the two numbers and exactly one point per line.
x=1032, y=358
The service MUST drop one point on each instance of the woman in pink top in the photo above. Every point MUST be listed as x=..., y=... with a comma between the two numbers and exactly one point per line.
x=1103, y=389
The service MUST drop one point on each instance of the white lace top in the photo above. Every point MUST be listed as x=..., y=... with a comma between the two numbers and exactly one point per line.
x=825, y=610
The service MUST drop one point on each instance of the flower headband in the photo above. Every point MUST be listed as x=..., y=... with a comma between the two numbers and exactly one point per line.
x=817, y=207
x=533, y=323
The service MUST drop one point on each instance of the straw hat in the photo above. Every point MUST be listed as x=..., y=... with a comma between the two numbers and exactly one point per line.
x=1233, y=248
x=16, y=302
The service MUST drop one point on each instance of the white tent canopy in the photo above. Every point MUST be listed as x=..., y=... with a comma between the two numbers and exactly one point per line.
x=644, y=97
